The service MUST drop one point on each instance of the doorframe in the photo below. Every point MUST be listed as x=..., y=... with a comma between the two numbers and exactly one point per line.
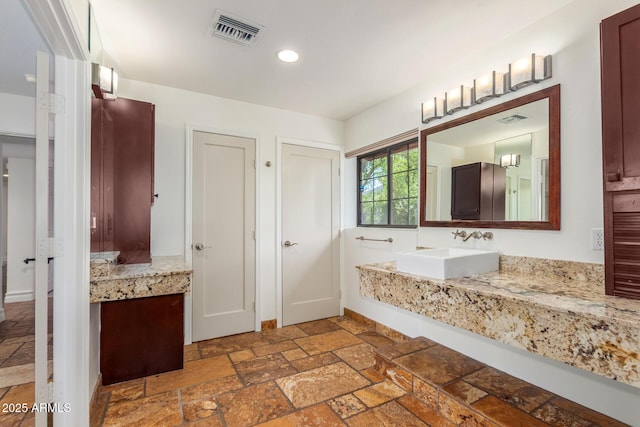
x=188, y=218
x=73, y=367
x=280, y=141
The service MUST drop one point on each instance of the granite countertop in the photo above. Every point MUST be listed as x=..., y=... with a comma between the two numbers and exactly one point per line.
x=159, y=266
x=552, y=308
x=163, y=276
x=566, y=294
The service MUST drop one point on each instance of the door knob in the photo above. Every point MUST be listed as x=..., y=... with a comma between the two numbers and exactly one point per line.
x=200, y=246
x=288, y=244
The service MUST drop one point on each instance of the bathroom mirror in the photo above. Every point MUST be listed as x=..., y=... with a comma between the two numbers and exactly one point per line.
x=496, y=168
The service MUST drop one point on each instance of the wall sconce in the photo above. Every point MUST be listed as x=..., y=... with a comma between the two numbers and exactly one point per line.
x=104, y=82
x=432, y=109
x=530, y=69
x=510, y=160
x=457, y=99
x=489, y=86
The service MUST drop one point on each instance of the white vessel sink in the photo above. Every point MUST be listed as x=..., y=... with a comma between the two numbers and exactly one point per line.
x=447, y=263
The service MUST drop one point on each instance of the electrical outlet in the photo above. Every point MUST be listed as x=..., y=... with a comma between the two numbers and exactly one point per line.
x=597, y=239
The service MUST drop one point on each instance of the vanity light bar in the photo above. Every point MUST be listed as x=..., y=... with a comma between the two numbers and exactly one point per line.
x=457, y=99
x=523, y=72
x=433, y=109
x=489, y=86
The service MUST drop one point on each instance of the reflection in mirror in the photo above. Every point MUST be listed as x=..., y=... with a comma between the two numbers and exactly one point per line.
x=495, y=168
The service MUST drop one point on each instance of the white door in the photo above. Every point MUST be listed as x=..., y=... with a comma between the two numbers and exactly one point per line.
x=223, y=235
x=310, y=234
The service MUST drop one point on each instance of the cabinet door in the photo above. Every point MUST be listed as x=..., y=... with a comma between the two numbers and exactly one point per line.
x=122, y=144
x=465, y=191
x=620, y=62
x=141, y=337
x=128, y=139
x=97, y=209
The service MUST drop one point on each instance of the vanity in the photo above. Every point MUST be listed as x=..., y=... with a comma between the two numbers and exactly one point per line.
x=141, y=296
x=555, y=309
x=141, y=315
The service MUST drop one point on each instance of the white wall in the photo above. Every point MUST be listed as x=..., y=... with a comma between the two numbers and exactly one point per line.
x=17, y=114
x=571, y=35
x=174, y=109
x=20, y=230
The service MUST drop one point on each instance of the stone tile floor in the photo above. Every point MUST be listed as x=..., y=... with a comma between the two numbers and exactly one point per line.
x=469, y=392
x=320, y=373
x=17, y=342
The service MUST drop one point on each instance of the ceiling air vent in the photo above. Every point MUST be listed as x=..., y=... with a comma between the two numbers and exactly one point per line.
x=512, y=119
x=235, y=29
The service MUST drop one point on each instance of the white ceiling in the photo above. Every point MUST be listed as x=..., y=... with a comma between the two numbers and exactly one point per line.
x=490, y=130
x=354, y=53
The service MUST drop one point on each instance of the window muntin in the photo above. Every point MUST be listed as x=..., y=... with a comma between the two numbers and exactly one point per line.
x=388, y=186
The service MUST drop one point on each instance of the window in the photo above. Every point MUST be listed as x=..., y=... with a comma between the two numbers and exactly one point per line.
x=388, y=186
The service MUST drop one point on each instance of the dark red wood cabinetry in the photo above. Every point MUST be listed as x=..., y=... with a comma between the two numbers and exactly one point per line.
x=122, y=152
x=141, y=337
x=478, y=192
x=620, y=73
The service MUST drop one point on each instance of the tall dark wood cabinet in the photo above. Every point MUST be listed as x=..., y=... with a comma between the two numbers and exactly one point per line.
x=620, y=73
x=478, y=192
x=122, y=152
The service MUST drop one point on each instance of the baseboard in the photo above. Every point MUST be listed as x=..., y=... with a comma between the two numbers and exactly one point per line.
x=94, y=405
x=269, y=324
x=18, y=296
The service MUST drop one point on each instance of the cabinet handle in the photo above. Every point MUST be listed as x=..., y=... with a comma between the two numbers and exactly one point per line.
x=613, y=177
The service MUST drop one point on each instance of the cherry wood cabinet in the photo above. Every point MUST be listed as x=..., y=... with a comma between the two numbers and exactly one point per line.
x=620, y=74
x=478, y=192
x=141, y=337
x=122, y=157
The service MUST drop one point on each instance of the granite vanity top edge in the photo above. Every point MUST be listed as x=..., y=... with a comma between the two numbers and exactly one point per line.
x=600, y=307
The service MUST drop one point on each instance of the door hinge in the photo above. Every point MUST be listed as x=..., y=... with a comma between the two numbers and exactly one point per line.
x=255, y=165
x=339, y=293
x=338, y=171
x=56, y=103
x=254, y=306
x=50, y=247
x=254, y=234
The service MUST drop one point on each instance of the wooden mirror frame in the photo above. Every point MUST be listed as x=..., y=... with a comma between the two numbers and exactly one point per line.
x=553, y=95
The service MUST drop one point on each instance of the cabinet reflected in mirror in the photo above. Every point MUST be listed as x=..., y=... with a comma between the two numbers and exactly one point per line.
x=515, y=147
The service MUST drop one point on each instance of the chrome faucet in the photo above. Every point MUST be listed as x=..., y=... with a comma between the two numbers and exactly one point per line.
x=475, y=235
x=487, y=235
x=459, y=233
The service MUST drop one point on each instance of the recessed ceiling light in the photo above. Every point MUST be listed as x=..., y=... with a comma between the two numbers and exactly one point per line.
x=288, y=55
